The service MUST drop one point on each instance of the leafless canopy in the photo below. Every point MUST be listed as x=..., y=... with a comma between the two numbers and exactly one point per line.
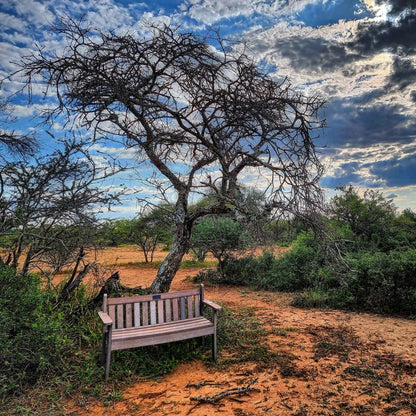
x=205, y=117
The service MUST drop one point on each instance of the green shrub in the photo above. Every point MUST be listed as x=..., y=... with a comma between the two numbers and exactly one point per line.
x=384, y=282
x=30, y=334
x=378, y=282
x=296, y=270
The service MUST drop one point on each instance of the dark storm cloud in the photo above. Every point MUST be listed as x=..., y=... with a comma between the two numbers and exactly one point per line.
x=413, y=96
x=316, y=54
x=393, y=36
x=396, y=172
x=403, y=74
x=343, y=175
x=351, y=124
x=397, y=36
x=398, y=6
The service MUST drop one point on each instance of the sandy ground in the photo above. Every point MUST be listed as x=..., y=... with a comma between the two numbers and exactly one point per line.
x=366, y=363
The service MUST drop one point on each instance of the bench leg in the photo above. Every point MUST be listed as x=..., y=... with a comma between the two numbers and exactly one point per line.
x=104, y=345
x=107, y=362
x=108, y=353
x=214, y=346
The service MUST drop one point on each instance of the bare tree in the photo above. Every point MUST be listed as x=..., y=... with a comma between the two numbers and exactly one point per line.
x=10, y=140
x=47, y=212
x=205, y=118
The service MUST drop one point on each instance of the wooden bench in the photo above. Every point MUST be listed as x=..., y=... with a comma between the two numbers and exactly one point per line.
x=155, y=319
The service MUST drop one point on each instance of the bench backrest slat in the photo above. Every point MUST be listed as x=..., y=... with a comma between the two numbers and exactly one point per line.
x=129, y=316
x=168, y=309
x=145, y=310
x=182, y=303
x=145, y=313
x=112, y=312
x=197, y=306
x=160, y=312
x=136, y=314
x=175, y=309
x=120, y=317
x=152, y=312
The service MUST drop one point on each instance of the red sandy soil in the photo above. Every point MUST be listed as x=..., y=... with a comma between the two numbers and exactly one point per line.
x=372, y=374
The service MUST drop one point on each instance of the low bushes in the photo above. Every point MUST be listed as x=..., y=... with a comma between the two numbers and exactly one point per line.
x=31, y=336
x=383, y=282
x=295, y=271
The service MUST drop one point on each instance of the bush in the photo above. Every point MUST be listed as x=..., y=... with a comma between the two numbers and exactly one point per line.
x=384, y=282
x=31, y=338
x=378, y=282
x=297, y=270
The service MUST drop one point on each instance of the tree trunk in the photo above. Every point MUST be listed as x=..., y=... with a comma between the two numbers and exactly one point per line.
x=172, y=261
x=113, y=287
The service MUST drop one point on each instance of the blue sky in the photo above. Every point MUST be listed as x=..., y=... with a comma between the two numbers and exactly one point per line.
x=360, y=55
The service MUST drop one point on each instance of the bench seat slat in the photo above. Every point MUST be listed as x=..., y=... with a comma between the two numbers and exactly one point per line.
x=160, y=334
x=159, y=328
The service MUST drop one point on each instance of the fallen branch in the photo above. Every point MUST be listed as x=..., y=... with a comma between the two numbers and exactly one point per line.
x=236, y=391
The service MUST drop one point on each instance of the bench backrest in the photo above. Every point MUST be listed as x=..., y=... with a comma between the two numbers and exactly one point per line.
x=145, y=310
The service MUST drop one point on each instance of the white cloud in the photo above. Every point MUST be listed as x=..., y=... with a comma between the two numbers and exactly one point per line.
x=33, y=11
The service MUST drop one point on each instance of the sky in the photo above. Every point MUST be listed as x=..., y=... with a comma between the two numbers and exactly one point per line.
x=360, y=55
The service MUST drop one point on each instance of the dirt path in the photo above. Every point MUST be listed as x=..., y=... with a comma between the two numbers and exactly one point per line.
x=341, y=364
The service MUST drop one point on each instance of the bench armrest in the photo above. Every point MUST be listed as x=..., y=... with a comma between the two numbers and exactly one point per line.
x=105, y=318
x=212, y=305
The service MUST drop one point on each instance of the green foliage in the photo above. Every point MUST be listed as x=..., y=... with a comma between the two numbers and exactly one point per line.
x=369, y=217
x=368, y=263
x=147, y=231
x=296, y=270
x=378, y=268
x=31, y=336
x=219, y=236
x=384, y=282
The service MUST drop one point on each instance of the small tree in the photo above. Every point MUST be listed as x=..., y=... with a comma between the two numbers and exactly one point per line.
x=149, y=231
x=220, y=236
x=369, y=217
x=203, y=118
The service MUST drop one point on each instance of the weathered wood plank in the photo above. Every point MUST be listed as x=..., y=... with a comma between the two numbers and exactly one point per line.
x=190, y=306
x=129, y=315
x=105, y=318
x=120, y=316
x=145, y=313
x=197, y=306
x=168, y=309
x=136, y=314
x=182, y=306
x=152, y=312
x=175, y=309
x=112, y=312
x=147, y=298
x=160, y=312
